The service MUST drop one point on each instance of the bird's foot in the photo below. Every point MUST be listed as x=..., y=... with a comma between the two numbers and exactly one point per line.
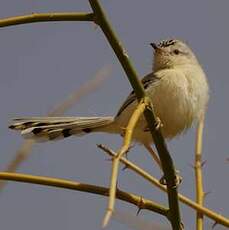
x=158, y=123
x=178, y=179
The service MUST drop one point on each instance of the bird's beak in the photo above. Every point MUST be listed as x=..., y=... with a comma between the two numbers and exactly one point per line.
x=156, y=47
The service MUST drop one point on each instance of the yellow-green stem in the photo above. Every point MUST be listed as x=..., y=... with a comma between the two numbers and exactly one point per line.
x=198, y=173
x=115, y=164
x=46, y=17
x=73, y=185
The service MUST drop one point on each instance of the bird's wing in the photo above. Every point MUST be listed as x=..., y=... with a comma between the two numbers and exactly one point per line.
x=147, y=81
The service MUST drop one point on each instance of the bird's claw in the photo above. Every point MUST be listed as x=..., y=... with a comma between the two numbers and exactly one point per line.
x=158, y=123
x=178, y=179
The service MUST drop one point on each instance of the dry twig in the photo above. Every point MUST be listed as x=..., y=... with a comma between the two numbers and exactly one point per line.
x=207, y=212
x=67, y=184
x=115, y=163
x=198, y=173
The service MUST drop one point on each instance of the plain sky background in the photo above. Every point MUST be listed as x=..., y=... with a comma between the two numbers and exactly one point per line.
x=41, y=64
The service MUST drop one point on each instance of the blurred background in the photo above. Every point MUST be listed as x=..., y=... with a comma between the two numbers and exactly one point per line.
x=42, y=64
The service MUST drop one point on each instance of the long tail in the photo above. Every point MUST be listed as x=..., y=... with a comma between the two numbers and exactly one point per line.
x=54, y=128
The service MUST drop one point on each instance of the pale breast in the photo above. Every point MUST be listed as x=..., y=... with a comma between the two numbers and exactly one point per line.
x=178, y=100
x=173, y=103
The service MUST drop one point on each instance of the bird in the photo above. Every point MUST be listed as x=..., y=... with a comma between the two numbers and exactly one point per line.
x=177, y=87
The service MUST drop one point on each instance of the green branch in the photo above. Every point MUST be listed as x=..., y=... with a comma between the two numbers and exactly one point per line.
x=46, y=17
x=198, y=172
x=73, y=185
x=166, y=160
x=101, y=20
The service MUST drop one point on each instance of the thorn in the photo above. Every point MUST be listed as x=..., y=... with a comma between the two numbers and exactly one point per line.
x=126, y=154
x=207, y=193
x=191, y=165
x=139, y=210
x=203, y=163
x=181, y=226
x=140, y=205
x=128, y=150
x=117, y=189
x=213, y=226
x=125, y=167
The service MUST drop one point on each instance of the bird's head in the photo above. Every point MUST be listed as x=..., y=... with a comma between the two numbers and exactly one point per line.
x=172, y=53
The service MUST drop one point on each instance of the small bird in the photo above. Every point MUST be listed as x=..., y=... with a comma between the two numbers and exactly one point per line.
x=177, y=87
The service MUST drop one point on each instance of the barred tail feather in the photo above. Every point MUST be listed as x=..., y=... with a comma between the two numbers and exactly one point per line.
x=54, y=128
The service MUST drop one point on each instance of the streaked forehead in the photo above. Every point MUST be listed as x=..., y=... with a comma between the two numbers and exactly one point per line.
x=174, y=43
x=166, y=43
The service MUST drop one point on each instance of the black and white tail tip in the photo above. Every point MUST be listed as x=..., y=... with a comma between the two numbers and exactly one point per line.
x=54, y=128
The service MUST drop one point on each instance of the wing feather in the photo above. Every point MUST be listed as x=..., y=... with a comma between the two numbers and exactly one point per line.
x=148, y=80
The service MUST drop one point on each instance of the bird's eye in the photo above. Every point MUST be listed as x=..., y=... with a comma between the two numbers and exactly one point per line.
x=176, y=51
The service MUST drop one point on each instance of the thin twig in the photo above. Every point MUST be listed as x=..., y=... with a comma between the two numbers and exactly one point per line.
x=207, y=212
x=46, y=17
x=67, y=184
x=115, y=163
x=101, y=75
x=198, y=173
x=21, y=155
